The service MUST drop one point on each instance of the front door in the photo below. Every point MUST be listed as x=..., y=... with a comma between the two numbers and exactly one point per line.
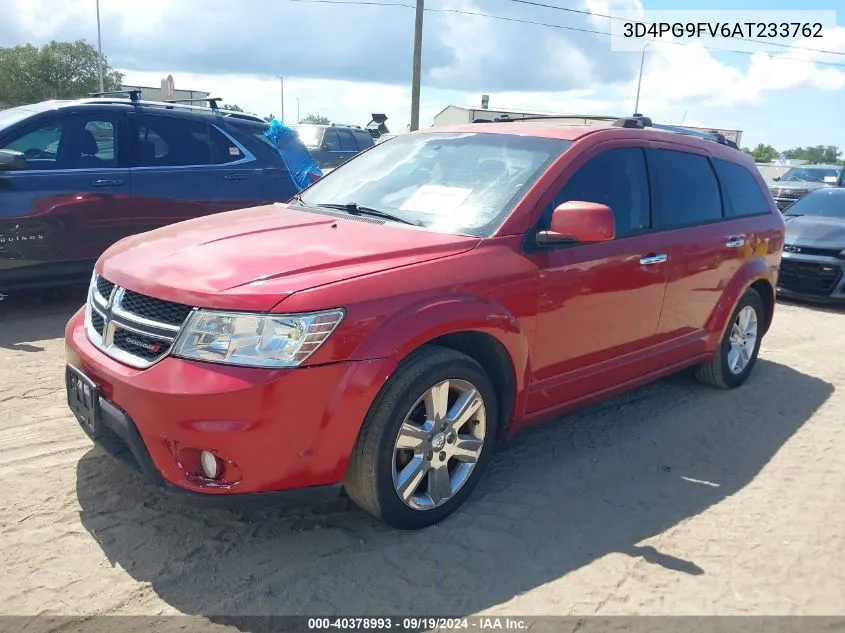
x=69, y=204
x=599, y=304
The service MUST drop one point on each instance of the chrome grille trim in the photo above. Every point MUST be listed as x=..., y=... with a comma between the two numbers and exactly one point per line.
x=117, y=318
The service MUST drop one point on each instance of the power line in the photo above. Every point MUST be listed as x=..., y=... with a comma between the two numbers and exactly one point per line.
x=616, y=17
x=552, y=26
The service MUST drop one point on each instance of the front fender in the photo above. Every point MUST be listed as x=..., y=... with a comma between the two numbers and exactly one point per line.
x=753, y=270
x=422, y=323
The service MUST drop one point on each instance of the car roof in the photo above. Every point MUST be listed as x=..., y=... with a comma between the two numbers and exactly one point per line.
x=570, y=132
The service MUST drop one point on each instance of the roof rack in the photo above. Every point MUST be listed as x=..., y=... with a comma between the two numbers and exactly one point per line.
x=212, y=101
x=347, y=125
x=134, y=95
x=638, y=121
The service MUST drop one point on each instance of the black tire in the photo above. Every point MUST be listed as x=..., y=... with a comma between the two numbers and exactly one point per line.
x=717, y=373
x=369, y=478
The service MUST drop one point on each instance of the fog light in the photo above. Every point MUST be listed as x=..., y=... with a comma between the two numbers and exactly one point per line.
x=210, y=465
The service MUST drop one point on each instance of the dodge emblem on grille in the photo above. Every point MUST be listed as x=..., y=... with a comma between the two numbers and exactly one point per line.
x=792, y=249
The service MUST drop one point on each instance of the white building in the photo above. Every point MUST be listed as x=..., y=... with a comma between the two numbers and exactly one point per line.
x=459, y=115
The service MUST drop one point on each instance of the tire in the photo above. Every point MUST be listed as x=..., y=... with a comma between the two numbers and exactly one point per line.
x=372, y=480
x=718, y=372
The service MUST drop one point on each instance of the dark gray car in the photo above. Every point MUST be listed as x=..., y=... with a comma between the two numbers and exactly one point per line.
x=813, y=260
x=799, y=181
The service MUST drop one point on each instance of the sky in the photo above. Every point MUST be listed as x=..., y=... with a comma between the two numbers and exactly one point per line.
x=346, y=61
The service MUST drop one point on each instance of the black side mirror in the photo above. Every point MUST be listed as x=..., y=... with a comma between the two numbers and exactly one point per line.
x=10, y=160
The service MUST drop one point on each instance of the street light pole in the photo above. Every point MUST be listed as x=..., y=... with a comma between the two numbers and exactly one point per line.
x=417, y=66
x=100, y=48
x=639, y=81
x=282, y=97
x=297, y=111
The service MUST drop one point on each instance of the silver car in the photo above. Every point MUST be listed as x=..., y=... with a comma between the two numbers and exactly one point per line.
x=799, y=181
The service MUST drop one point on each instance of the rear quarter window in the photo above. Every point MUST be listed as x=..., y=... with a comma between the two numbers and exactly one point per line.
x=743, y=193
x=687, y=189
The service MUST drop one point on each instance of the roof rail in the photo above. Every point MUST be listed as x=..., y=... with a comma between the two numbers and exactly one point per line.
x=639, y=121
x=212, y=101
x=134, y=95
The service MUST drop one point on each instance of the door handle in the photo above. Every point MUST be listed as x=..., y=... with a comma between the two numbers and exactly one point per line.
x=653, y=259
x=106, y=182
x=735, y=242
x=235, y=177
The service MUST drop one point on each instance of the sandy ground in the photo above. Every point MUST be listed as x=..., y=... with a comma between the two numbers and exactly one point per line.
x=673, y=499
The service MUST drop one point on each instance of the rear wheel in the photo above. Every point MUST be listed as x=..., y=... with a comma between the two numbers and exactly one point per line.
x=737, y=354
x=426, y=440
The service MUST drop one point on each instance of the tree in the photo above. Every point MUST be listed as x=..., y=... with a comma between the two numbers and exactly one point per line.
x=818, y=154
x=58, y=70
x=316, y=118
x=231, y=107
x=763, y=153
x=270, y=118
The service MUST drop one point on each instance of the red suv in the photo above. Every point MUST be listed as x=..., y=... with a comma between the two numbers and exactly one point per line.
x=379, y=332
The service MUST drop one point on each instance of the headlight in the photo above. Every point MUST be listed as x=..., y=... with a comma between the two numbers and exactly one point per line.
x=255, y=340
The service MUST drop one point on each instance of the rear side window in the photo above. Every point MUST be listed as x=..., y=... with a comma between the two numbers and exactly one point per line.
x=686, y=188
x=223, y=150
x=363, y=138
x=616, y=178
x=171, y=142
x=743, y=193
x=330, y=141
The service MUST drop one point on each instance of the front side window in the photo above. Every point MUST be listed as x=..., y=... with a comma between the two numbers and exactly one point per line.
x=452, y=183
x=74, y=142
x=686, y=188
x=618, y=179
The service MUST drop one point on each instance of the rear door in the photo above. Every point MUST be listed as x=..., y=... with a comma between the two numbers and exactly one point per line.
x=185, y=168
x=707, y=244
x=70, y=203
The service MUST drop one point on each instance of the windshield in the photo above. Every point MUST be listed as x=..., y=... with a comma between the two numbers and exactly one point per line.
x=310, y=135
x=463, y=184
x=809, y=174
x=13, y=115
x=826, y=202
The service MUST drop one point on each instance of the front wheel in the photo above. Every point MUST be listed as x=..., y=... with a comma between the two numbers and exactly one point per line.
x=737, y=354
x=426, y=440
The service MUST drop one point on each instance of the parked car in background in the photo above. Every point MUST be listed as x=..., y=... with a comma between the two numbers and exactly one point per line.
x=798, y=181
x=814, y=253
x=77, y=176
x=333, y=144
x=443, y=290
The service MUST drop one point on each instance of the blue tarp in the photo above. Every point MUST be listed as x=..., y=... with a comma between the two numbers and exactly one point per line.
x=301, y=165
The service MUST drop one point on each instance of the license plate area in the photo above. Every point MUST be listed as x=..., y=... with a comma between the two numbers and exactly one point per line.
x=84, y=399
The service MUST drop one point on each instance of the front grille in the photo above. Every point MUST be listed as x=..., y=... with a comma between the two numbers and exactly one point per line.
x=820, y=252
x=788, y=193
x=155, y=309
x=808, y=278
x=135, y=329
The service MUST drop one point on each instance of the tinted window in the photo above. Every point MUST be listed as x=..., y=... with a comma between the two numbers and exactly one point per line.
x=827, y=202
x=363, y=138
x=741, y=188
x=347, y=142
x=76, y=142
x=686, y=188
x=169, y=142
x=223, y=149
x=618, y=179
x=331, y=141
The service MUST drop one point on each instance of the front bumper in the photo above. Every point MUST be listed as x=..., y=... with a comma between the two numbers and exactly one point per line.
x=275, y=431
x=812, y=278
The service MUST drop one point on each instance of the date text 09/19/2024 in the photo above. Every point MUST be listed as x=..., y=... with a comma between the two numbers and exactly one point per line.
x=419, y=623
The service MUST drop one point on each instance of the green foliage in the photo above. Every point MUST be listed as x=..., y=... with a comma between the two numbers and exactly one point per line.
x=829, y=154
x=231, y=107
x=316, y=118
x=58, y=70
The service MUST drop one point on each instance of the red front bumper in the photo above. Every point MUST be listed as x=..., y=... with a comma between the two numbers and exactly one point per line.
x=275, y=429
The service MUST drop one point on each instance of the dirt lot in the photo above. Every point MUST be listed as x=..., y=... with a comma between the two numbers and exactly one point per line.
x=674, y=499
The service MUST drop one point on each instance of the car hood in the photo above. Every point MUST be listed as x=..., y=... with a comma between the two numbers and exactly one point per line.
x=253, y=258
x=816, y=231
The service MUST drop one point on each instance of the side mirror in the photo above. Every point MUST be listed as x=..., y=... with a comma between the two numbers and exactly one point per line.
x=11, y=160
x=579, y=222
x=776, y=178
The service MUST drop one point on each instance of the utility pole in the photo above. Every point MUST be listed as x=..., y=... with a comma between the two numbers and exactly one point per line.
x=297, y=111
x=100, y=48
x=282, y=97
x=415, y=79
x=639, y=81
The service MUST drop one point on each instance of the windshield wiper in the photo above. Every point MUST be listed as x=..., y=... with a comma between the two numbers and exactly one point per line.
x=354, y=208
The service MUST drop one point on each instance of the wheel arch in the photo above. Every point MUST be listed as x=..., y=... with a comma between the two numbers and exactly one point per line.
x=754, y=274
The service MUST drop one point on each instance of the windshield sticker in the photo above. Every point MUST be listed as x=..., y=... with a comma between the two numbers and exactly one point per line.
x=436, y=199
